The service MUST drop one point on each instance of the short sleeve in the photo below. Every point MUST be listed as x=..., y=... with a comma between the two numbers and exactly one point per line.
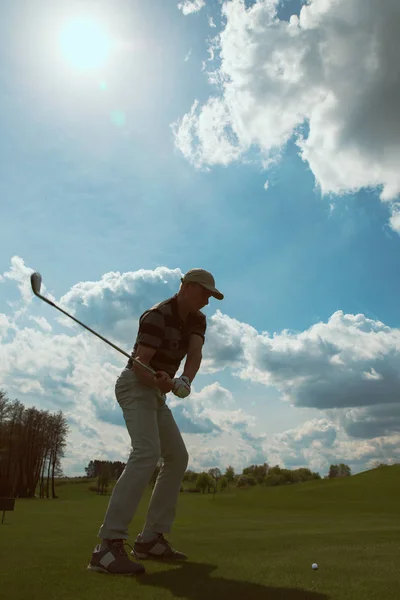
x=151, y=329
x=198, y=325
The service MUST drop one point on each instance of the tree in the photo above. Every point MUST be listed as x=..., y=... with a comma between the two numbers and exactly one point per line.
x=31, y=445
x=344, y=470
x=333, y=471
x=224, y=483
x=190, y=476
x=118, y=468
x=94, y=468
x=104, y=477
x=90, y=470
x=230, y=474
x=275, y=479
x=341, y=470
x=216, y=475
x=59, y=431
x=212, y=486
x=276, y=470
x=245, y=480
x=259, y=472
x=203, y=481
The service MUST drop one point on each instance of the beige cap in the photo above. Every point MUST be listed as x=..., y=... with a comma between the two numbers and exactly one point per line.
x=205, y=279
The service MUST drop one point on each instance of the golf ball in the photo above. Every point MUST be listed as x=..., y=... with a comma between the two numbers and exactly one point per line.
x=315, y=566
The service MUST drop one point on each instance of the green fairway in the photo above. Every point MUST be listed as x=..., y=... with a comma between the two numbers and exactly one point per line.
x=252, y=544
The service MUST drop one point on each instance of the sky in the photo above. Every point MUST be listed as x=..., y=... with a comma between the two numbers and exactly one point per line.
x=259, y=140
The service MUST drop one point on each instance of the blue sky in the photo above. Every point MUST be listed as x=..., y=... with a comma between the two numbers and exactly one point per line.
x=257, y=140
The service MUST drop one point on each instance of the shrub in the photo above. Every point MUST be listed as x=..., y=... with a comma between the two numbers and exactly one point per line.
x=246, y=480
x=275, y=480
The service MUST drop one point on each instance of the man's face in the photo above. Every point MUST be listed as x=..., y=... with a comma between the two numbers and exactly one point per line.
x=199, y=296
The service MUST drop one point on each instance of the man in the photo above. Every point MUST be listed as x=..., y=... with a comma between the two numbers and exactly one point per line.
x=168, y=332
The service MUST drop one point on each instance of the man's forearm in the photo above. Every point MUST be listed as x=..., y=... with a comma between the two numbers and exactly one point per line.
x=192, y=365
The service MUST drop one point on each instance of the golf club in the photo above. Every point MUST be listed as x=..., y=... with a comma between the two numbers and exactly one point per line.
x=36, y=282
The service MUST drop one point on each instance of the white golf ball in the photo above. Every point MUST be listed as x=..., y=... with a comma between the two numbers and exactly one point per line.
x=315, y=566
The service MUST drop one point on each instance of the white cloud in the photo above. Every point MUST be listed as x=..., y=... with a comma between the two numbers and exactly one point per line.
x=214, y=395
x=318, y=443
x=113, y=305
x=266, y=185
x=226, y=343
x=21, y=275
x=348, y=368
x=6, y=325
x=349, y=362
x=209, y=411
x=189, y=7
x=335, y=68
x=394, y=220
x=42, y=322
x=375, y=421
x=211, y=133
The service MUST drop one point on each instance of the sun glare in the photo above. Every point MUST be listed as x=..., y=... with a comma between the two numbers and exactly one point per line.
x=85, y=44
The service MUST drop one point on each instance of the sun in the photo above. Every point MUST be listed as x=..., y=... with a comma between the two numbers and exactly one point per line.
x=85, y=44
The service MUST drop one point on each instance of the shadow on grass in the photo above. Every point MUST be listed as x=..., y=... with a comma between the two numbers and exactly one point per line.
x=193, y=581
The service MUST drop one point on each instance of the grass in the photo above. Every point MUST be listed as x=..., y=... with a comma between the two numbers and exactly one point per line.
x=252, y=544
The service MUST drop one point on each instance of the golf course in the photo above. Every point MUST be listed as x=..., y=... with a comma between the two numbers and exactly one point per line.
x=253, y=543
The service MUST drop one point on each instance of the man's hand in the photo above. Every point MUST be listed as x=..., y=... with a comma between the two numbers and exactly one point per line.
x=181, y=386
x=164, y=382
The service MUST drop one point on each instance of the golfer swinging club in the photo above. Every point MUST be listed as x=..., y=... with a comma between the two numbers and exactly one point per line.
x=168, y=332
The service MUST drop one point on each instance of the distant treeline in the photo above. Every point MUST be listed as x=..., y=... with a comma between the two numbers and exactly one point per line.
x=214, y=480
x=32, y=444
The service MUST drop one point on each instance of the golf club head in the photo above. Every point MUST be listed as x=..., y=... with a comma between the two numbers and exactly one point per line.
x=36, y=282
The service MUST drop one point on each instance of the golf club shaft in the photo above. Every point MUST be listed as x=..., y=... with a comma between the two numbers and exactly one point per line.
x=135, y=360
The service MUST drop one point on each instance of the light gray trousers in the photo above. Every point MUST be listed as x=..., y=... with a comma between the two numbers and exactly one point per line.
x=153, y=434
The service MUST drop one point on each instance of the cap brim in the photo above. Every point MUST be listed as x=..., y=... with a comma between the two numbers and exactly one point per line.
x=214, y=292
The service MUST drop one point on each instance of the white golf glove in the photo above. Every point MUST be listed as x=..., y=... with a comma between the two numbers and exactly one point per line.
x=181, y=386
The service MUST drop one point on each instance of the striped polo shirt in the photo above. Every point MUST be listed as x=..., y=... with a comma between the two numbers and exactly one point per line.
x=161, y=328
